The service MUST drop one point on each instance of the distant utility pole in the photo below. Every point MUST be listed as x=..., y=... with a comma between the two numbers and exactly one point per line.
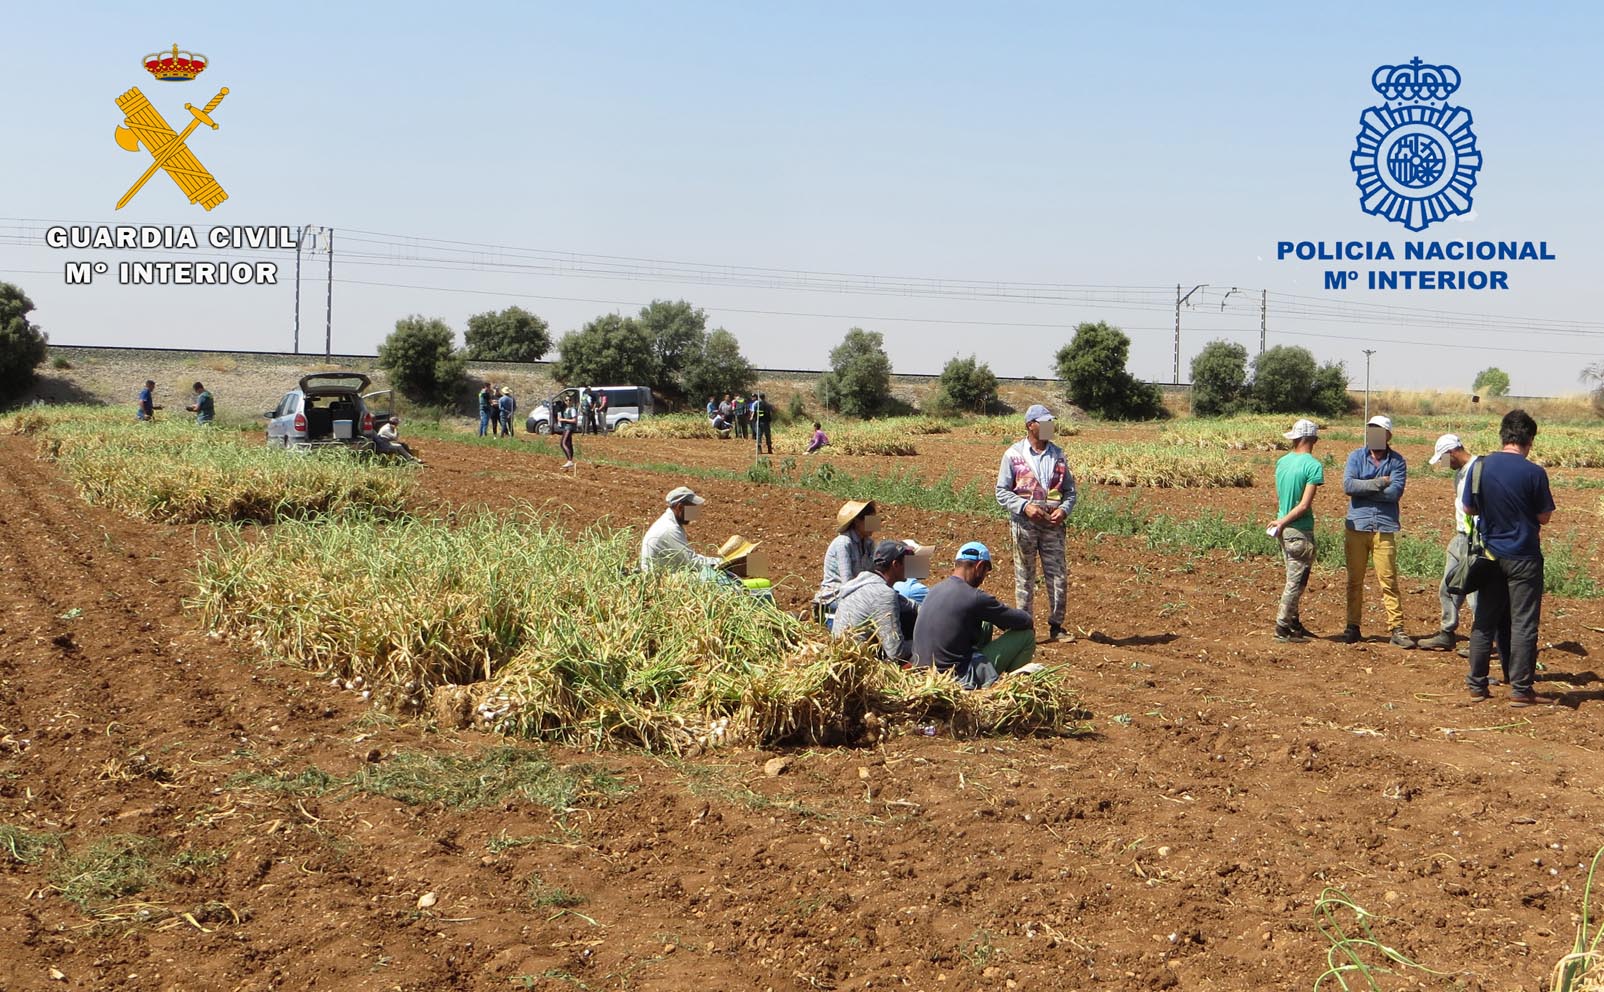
x=1179, y=299
x=1264, y=309
x=1368, y=353
x=328, y=307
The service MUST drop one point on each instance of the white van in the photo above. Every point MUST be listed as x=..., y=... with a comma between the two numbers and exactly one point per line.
x=625, y=405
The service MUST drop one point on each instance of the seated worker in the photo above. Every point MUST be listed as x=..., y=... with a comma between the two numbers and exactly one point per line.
x=868, y=607
x=954, y=629
x=720, y=424
x=389, y=442
x=665, y=545
x=820, y=439
x=848, y=555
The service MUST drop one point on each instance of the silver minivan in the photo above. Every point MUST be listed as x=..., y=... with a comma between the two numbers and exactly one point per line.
x=328, y=409
x=625, y=405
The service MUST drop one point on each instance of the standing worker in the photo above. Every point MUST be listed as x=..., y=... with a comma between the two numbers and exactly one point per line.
x=743, y=416
x=203, y=408
x=567, y=423
x=598, y=410
x=1035, y=486
x=1374, y=481
x=1297, y=476
x=1512, y=504
x=504, y=410
x=1461, y=461
x=146, y=410
x=762, y=417
x=585, y=400
x=487, y=398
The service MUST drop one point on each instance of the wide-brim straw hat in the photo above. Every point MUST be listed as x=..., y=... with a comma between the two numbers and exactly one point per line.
x=736, y=548
x=850, y=511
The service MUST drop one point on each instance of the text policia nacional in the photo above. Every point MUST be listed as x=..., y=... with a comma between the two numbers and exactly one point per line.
x=167, y=272
x=1415, y=251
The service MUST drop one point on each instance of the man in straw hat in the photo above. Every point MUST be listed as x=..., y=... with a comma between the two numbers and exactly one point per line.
x=1035, y=486
x=869, y=605
x=1297, y=476
x=1374, y=480
x=504, y=410
x=956, y=622
x=665, y=545
x=848, y=555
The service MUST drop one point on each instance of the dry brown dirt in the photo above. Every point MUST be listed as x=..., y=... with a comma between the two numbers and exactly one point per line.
x=1183, y=844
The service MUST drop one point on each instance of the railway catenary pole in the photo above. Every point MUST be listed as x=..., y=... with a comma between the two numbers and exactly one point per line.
x=299, y=237
x=1179, y=299
x=328, y=306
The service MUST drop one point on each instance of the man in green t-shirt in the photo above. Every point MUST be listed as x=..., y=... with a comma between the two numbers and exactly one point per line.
x=1297, y=476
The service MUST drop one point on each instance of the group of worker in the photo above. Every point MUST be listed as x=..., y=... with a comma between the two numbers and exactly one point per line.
x=204, y=407
x=1494, y=560
x=872, y=588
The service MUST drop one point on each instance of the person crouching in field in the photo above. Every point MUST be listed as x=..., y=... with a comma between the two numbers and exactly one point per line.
x=665, y=545
x=820, y=439
x=848, y=554
x=954, y=631
x=389, y=442
x=869, y=606
x=1374, y=481
x=1297, y=476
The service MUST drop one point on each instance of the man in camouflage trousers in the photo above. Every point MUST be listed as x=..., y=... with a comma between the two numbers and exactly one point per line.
x=1035, y=486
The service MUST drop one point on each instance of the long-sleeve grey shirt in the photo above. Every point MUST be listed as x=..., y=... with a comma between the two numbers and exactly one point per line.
x=868, y=605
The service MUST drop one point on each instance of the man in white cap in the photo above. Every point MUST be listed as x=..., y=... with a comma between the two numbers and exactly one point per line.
x=1035, y=486
x=665, y=545
x=1297, y=476
x=1450, y=447
x=1374, y=480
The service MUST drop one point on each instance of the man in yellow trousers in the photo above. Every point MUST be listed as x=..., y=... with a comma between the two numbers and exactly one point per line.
x=1374, y=481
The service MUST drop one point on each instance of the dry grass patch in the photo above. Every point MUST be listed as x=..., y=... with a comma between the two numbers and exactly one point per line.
x=1158, y=466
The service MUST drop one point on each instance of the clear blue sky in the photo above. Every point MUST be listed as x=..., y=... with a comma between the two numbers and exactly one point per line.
x=1100, y=145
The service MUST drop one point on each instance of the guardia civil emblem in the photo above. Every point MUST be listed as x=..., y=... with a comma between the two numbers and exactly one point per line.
x=1417, y=159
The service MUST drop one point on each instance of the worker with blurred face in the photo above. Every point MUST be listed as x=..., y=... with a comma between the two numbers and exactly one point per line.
x=1035, y=486
x=665, y=545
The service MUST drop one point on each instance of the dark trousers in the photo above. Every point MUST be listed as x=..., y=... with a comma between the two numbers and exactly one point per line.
x=760, y=432
x=1509, y=606
x=740, y=427
x=568, y=443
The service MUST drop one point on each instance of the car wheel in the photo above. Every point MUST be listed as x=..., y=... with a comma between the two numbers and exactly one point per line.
x=542, y=427
x=621, y=423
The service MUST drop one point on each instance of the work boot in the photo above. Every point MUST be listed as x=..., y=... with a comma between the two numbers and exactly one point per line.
x=1350, y=634
x=1401, y=640
x=1289, y=635
x=1443, y=640
x=1302, y=631
x=1059, y=635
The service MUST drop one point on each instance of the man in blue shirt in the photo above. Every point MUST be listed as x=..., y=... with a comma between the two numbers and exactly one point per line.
x=1511, y=506
x=1374, y=481
x=147, y=403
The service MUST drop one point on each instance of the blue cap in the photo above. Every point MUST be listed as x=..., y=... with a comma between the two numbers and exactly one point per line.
x=973, y=551
x=1037, y=412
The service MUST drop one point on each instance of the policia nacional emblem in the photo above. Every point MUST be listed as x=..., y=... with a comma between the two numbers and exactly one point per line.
x=1417, y=159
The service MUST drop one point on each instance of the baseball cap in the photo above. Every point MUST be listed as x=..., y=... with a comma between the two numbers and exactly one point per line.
x=683, y=494
x=973, y=551
x=1035, y=413
x=1303, y=428
x=1382, y=421
x=888, y=553
x=1445, y=444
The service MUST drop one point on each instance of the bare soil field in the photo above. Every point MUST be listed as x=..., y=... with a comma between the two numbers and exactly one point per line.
x=1185, y=843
